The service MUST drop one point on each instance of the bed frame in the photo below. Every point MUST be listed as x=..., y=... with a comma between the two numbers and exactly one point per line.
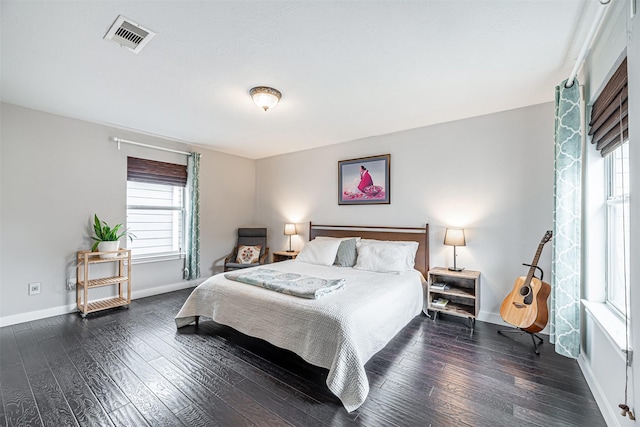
x=419, y=234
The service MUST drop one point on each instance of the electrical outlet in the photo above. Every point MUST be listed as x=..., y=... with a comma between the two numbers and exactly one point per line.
x=34, y=288
x=71, y=283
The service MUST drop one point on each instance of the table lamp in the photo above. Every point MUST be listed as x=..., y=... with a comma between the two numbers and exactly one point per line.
x=454, y=237
x=290, y=230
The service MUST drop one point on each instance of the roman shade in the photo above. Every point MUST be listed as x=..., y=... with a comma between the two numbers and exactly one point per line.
x=609, y=113
x=154, y=172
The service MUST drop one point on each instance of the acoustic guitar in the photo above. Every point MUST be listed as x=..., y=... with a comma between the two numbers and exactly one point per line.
x=526, y=306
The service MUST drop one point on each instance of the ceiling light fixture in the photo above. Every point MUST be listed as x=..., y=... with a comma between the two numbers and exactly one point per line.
x=265, y=97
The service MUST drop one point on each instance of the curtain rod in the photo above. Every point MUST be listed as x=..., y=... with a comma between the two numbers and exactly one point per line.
x=140, y=144
x=587, y=42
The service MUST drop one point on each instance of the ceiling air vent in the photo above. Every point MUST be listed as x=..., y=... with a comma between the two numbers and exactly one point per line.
x=128, y=34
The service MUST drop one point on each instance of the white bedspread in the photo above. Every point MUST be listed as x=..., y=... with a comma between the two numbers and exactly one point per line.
x=339, y=332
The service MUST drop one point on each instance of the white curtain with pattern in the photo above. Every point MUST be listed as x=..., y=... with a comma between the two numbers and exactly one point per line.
x=565, y=271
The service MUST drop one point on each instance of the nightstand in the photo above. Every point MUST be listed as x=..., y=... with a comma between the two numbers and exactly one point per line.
x=284, y=255
x=460, y=290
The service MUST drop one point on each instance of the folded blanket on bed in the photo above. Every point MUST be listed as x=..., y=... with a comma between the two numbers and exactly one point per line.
x=294, y=284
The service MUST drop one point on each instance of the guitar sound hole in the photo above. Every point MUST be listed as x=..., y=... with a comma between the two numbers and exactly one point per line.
x=524, y=291
x=528, y=299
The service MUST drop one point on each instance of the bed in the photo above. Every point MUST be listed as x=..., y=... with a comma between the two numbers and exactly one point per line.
x=341, y=330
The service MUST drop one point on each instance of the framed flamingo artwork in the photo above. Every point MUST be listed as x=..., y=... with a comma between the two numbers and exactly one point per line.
x=364, y=181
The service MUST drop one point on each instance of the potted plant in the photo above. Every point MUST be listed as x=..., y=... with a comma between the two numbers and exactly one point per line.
x=108, y=238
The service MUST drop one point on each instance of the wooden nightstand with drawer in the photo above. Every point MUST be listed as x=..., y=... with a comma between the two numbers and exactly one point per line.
x=284, y=255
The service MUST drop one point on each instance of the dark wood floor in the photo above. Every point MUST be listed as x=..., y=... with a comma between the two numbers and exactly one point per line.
x=132, y=368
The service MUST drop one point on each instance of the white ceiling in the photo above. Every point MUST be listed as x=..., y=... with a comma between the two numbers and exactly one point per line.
x=346, y=69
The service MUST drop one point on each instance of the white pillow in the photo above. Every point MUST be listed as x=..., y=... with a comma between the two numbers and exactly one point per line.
x=337, y=238
x=319, y=251
x=386, y=256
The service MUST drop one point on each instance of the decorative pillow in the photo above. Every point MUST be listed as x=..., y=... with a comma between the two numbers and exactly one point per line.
x=319, y=251
x=347, y=253
x=248, y=254
x=386, y=256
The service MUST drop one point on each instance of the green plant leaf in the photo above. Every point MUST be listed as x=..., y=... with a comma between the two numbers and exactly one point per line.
x=104, y=233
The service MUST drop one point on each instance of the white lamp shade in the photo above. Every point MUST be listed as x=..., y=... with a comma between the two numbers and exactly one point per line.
x=454, y=237
x=290, y=230
x=265, y=97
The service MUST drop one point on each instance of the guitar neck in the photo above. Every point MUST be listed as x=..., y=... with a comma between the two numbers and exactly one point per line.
x=534, y=263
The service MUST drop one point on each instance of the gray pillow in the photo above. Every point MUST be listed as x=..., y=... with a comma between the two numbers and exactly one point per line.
x=347, y=254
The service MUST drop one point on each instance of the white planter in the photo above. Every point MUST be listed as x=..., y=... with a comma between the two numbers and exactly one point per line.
x=109, y=246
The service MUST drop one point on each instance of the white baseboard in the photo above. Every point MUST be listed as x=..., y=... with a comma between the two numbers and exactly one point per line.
x=486, y=316
x=36, y=315
x=610, y=417
x=142, y=293
x=70, y=308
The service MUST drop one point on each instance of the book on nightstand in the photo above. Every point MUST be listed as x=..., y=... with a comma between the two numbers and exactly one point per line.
x=439, y=286
x=439, y=302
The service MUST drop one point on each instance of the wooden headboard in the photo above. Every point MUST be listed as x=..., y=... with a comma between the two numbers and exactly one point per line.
x=418, y=234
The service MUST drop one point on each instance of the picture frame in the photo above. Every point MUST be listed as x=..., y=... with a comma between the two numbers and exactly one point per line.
x=365, y=181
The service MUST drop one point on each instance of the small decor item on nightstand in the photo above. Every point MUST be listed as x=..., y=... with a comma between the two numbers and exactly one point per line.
x=290, y=230
x=454, y=237
x=440, y=302
x=440, y=286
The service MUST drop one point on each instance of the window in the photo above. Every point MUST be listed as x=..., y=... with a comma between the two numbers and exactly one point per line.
x=155, y=214
x=156, y=207
x=617, y=252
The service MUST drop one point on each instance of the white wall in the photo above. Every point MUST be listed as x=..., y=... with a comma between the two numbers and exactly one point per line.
x=492, y=175
x=57, y=172
x=601, y=360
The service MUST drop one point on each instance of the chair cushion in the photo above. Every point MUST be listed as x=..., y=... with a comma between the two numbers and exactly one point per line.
x=248, y=254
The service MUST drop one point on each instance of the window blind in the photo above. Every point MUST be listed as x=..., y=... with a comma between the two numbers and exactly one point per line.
x=609, y=113
x=154, y=172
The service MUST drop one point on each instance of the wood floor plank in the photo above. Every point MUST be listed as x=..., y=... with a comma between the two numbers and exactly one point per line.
x=9, y=354
x=19, y=404
x=101, y=384
x=86, y=408
x=366, y=418
x=200, y=349
x=296, y=398
x=170, y=396
x=231, y=395
x=52, y=406
x=3, y=418
x=216, y=408
x=121, y=337
x=31, y=355
x=128, y=416
x=193, y=416
x=101, y=354
x=145, y=401
x=279, y=406
x=433, y=373
x=309, y=386
x=188, y=363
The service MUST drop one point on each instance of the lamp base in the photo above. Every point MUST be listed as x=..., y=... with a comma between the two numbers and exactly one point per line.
x=289, y=250
x=456, y=268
